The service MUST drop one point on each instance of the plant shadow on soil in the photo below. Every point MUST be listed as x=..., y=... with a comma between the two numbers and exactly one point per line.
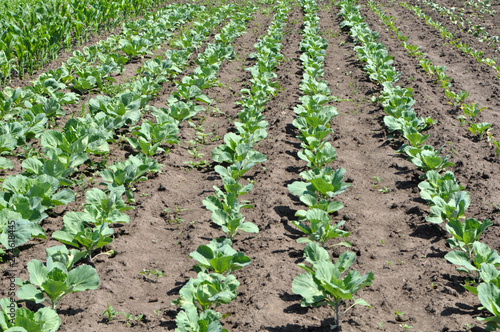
x=427, y=232
x=297, y=309
x=177, y=288
x=325, y=324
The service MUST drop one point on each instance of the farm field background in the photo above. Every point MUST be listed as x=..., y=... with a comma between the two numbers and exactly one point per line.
x=414, y=288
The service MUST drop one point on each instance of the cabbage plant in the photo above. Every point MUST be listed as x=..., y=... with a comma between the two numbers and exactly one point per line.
x=50, y=282
x=325, y=283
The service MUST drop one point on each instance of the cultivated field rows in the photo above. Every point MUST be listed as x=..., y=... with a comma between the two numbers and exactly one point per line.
x=414, y=286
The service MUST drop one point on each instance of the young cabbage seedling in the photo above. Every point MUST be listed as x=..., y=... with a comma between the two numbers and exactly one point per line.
x=225, y=207
x=481, y=254
x=489, y=295
x=480, y=129
x=472, y=110
x=218, y=256
x=466, y=233
x=77, y=232
x=189, y=320
x=322, y=186
x=126, y=173
x=207, y=291
x=426, y=158
x=44, y=320
x=320, y=229
x=452, y=208
x=439, y=185
x=151, y=135
x=323, y=283
x=57, y=277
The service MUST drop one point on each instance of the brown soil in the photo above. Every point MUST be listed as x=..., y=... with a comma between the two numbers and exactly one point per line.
x=388, y=230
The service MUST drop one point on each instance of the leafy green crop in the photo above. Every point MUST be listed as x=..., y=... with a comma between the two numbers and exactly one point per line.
x=465, y=234
x=188, y=91
x=99, y=130
x=54, y=168
x=237, y=152
x=51, y=282
x=136, y=47
x=125, y=108
x=105, y=208
x=312, y=86
x=452, y=208
x=207, y=291
x=179, y=110
x=189, y=320
x=489, y=295
x=16, y=231
x=480, y=129
x=323, y=283
x=126, y=173
x=44, y=320
x=253, y=130
x=415, y=138
x=320, y=155
x=67, y=148
x=31, y=197
x=320, y=229
x=89, y=78
x=481, y=254
x=151, y=136
x=160, y=70
x=76, y=233
x=426, y=158
x=472, y=110
x=321, y=186
x=51, y=107
x=439, y=185
x=407, y=122
x=218, y=256
x=315, y=104
x=225, y=208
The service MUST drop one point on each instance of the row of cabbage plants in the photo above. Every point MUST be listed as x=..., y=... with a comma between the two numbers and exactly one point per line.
x=470, y=111
x=55, y=167
x=147, y=139
x=325, y=282
x=215, y=284
x=181, y=105
x=457, y=17
x=29, y=111
x=481, y=6
x=451, y=38
x=62, y=153
x=88, y=229
x=448, y=201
